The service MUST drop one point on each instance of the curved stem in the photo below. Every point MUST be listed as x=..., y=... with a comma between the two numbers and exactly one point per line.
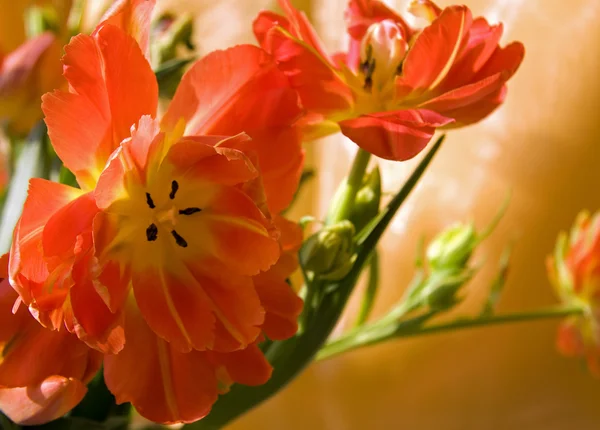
x=351, y=187
x=376, y=333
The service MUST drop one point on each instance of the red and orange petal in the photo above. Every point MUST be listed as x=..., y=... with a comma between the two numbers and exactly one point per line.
x=166, y=385
x=281, y=303
x=38, y=285
x=169, y=386
x=234, y=82
x=43, y=373
x=398, y=135
x=320, y=87
x=111, y=87
x=133, y=17
x=571, y=342
x=436, y=49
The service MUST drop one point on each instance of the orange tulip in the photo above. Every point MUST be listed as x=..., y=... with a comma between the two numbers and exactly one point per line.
x=574, y=270
x=397, y=84
x=30, y=68
x=168, y=258
x=42, y=372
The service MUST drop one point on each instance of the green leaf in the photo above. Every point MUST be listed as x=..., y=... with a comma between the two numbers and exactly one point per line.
x=99, y=403
x=77, y=423
x=6, y=424
x=498, y=283
x=290, y=357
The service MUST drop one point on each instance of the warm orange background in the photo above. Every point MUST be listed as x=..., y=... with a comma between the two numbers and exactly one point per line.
x=544, y=145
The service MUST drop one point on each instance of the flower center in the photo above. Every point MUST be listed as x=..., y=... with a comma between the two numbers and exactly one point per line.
x=383, y=50
x=167, y=215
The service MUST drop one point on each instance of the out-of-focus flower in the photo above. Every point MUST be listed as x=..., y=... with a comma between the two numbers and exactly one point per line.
x=397, y=84
x=29, y=68
x=43, y=373
x=169, y=257
x=574, y=269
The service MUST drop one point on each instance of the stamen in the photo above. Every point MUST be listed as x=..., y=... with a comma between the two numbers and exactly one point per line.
x=149, y=201
x=400, y=68
x=189, y=211
x=179, y=240
x=174, y=188
x=152, y=232
x=369, y=75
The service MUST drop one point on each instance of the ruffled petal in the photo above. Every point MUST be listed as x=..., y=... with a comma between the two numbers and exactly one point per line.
x=218, y=96
x=398, y=135
x=93, y=321
x=466, y=95
x=175, y=307
x=480, y=44
x=247, y=366
x=204, y=162
x=42, y=284
x=163, y=384
x=506, y=60
x=320, y=87
x=112, y=87
x=436, y=49
x=282, y=304
x=476, y=111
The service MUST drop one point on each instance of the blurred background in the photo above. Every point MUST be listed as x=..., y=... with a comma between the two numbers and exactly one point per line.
x=543, y=145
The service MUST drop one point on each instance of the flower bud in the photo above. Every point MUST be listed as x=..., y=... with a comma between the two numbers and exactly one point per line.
x=329, y=253
x=383, y=49
x=452, y=248
x=574, y=269
x=368, y=199
x=441, y=288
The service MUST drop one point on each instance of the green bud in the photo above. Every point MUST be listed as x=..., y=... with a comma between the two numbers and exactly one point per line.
x=368, y=199
x=441, y=288
x=330, y=252
x=452, y=248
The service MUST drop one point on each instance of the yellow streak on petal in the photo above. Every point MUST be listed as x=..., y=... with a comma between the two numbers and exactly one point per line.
x=246, y=223
x=172, y=309
x=165, y=372
x=452, y=57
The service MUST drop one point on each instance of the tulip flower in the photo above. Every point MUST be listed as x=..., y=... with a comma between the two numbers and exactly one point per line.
x=28, y=68
x=396, y=84
x=574, y=269
x=168, y=258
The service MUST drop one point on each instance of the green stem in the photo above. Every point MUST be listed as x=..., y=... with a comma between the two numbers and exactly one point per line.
x=371, y=291
x=376, y=333
x=351, y=187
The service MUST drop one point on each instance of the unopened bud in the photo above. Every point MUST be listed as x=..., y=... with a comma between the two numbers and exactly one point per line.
x=452, y=248
x=329, y=253
x=383, y=49
x=441, y=288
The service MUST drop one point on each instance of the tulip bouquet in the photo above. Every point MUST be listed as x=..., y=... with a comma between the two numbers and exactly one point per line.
x=149, y=263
